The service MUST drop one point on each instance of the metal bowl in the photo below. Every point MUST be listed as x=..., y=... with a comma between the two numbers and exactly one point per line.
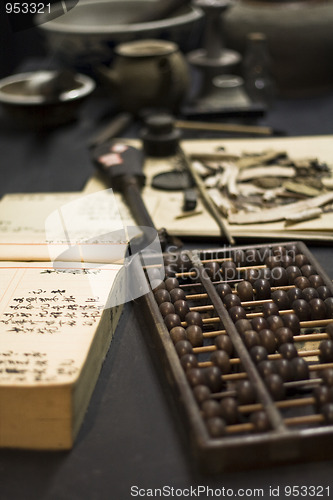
x=24, y=105
x=90, y=30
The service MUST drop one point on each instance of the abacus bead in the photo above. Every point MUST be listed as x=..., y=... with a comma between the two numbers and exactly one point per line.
x=326, y=351
x=258, y=353
x=252, y=257
x=181, y=308
x=222, y=360
x=316, y=280
x=154, y=273
x=229, y=410
x=329, y=330
x=194, y=335
x=265, y=274
x=301, y=260
x=318, y=309
x=231, y=300
x=260, y=421
x=302, y=309
x=252, y=275
x=288, y=350
x=170, y=270
x=166, y=308
x=251, y=338
x=300, y=368
x=264, y=252
x=245, y=291
x=183, y=262
x=213, y=270
x=213, y=377
x=285, y=369
x=242, y=325
x=216, y=427
x=324, y=292
x=168, y=259
x=308, y=269
x=281, y=299
x=275, y=386
x=162, y=296
x=238, y=257
x=292, y=249
x=183, y=347
x=279, y=250
x=279, y=276
x=270, y=309
x=195, y=376
x=224, y=343
x=273, y=261
x=291, y=320
x=262, y=288
x=172, y=320
x=157, y=284
x=322, y=395
x=329, y=307
x=177, y=333
x=171, y=283
x=294, y=294
x=223, y=289
x=274, y=322
x=259, y=323
x=246, y=393
x=266, y=367
x=210, y=408
x=236, y=313
x=286, y=261
x=177, y=294
x=302, y=282
x=268, y=340
x=188, y=361
x=292, y=273
x=327, y=376
x=284, y=335
x=201, y=393
x=229, y=271
x=193, y=318
x=327, y=412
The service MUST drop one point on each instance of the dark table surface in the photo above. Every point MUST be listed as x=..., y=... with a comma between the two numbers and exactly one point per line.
x=129, y=437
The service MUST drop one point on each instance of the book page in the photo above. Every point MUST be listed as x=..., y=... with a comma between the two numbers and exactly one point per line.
x=49, y=317
x=69, y=226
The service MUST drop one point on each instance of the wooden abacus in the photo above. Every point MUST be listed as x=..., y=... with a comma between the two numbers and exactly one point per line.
x=245, y=337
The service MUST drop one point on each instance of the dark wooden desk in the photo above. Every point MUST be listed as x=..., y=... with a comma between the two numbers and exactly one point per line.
x=129, y=437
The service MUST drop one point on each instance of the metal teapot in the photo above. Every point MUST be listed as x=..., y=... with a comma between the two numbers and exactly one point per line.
x=148, y=74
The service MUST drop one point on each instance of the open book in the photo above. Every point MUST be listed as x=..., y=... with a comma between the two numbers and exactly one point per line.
x=62, y=265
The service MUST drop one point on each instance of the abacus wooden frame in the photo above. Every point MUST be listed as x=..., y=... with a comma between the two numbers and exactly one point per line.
x=213, y=455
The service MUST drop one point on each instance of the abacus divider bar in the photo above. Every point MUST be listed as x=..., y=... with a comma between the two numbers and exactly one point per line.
x=274, y=415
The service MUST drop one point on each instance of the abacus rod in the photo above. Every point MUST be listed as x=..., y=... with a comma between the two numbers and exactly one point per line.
x=316, y=323
x=199, y=296
x=283, y=404
x=306, y=419
x=234, y=361
x=297, y=338
x=243, y=375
